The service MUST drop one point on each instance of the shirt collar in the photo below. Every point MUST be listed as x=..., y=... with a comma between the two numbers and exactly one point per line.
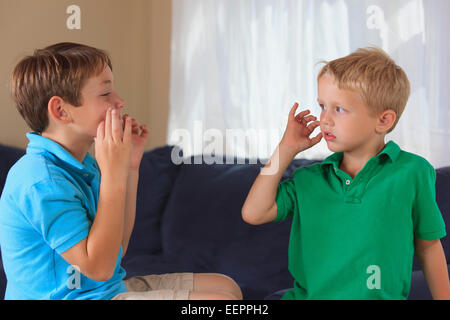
x=40, y=144
x=391, y=151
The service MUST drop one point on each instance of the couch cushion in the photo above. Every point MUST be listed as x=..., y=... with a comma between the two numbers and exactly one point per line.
x=156, y=177
x=202, y=222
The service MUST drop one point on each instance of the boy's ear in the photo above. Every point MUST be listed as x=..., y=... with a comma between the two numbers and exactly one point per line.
x=385, y=121
x=57, y=111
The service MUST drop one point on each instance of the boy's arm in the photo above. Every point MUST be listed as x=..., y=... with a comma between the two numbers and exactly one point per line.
x=434, y=265
x=260, y=206
x=137, y=151
x=97, y=254
x=130, y=208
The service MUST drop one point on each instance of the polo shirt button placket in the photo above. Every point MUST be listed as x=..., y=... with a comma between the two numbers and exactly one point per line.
x=86, y=179
x=350, y=195
x=347, y=183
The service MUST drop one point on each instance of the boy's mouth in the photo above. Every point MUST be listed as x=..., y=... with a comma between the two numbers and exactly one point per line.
x=328, y=136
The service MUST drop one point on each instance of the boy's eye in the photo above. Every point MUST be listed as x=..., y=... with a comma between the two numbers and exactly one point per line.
x=322, y=107
x=106, y=94
x=339, y=109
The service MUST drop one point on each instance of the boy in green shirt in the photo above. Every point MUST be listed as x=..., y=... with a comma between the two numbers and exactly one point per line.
x=359, y=215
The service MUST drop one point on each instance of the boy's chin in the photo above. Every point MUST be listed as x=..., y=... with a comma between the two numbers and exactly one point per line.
x=331, y=146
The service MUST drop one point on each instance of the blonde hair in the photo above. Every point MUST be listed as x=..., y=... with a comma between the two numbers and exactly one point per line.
x=60, y=70
x=381, y=83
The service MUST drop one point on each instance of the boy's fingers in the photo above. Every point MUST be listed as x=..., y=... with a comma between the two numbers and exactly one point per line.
x=303, y=119
x=316, y=139
x=302, y=115
x=134, y=126
x=313, y=125
x=293, y=110
x=101, y=131
x=124, y=118
x=127, y=131
x=116, y=126
x=310, y=118
x=144, y=132
x=108, y=124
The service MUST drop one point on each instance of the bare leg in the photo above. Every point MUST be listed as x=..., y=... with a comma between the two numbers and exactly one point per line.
x=214, y=286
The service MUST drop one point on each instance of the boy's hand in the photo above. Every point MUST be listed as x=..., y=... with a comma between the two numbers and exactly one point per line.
x=137, y=142
x=113, y=146
x=296, y=137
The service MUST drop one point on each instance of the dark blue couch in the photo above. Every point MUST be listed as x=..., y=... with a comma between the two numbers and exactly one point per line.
x=189, y=219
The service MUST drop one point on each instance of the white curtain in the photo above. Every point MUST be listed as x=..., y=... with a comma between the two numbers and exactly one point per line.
x=238, y=66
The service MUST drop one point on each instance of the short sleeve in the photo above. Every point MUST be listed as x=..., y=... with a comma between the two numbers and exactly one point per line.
x=54, y=208
x=286, y=200
x=427, y=218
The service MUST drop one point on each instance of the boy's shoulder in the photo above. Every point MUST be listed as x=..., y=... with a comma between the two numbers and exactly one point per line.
x=312, y=169
x=414, y=164
x=406, y=156
x=32, y=170
x=46, y=162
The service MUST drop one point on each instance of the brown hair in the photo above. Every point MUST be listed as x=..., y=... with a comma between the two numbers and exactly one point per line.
x=59, y=70
x=381, y=84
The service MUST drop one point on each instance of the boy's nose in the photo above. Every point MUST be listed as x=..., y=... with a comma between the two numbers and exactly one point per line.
x=325, y=119
x=119, y=103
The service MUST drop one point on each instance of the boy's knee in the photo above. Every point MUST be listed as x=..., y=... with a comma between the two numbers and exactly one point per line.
x=231, y=287
x=216, y=282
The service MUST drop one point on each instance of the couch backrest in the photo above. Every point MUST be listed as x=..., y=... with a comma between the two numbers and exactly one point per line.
x=157, y=175
x=8, y=156
x=202, y=227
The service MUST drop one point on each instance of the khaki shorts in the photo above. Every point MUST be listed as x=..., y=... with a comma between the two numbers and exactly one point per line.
x=172, y=286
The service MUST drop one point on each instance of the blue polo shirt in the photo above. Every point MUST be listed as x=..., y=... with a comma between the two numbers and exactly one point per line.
x=48, y=205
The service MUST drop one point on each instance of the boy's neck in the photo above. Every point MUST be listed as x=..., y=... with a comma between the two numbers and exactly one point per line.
x=354, y=161
x=76, y=148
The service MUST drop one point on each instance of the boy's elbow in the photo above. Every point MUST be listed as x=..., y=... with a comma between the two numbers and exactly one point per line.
x=105, y=277
x=100, y=275
x=96, y=266
x=256, y=219
x=98, y=272
x=245, y=214
x=249, y=217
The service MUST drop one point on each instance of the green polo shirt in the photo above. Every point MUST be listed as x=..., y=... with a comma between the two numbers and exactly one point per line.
x=354, y=238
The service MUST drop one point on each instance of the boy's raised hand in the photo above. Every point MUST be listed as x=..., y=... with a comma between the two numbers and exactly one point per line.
x=113, y=146
x=296, y=138
x=137, y=142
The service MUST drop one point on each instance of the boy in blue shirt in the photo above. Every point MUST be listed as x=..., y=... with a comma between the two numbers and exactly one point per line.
x=358, y=216
x=64, y=214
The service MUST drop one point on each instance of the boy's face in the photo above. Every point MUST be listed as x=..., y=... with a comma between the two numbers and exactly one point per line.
x=344, y=121
x=98, y=94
